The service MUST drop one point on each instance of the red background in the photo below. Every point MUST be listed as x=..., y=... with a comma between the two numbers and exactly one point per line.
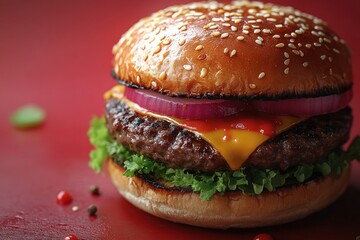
x=57, y=54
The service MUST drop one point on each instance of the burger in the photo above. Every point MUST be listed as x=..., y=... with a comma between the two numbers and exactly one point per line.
x=228, y=115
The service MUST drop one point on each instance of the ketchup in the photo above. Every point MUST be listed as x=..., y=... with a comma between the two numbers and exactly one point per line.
x=256, y=122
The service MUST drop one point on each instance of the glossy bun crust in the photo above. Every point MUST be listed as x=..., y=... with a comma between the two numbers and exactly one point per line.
x=233, y=209
x=237, y=50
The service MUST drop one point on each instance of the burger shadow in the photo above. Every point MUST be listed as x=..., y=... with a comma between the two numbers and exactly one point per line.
x=341, y=220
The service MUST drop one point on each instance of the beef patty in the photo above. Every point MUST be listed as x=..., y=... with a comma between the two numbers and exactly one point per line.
x=177, y=147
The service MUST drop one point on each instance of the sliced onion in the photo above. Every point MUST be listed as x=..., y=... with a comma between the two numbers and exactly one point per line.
x=305, y=106
x=187, y=108
x=190, y=108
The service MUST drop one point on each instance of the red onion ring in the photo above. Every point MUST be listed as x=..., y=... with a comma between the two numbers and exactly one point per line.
x=190, y=108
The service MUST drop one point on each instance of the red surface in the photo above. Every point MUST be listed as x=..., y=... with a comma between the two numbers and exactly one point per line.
x=57, y=54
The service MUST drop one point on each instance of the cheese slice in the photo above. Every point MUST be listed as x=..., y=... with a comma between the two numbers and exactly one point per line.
x=235, y=145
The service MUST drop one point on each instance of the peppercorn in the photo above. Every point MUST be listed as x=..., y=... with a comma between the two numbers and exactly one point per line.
x=94, y=190
x=92, y=209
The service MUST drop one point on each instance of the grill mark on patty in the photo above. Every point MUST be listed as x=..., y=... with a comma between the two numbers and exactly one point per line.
x=177, y=147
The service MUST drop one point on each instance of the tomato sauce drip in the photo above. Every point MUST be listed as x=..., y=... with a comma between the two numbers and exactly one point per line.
x=257, y=122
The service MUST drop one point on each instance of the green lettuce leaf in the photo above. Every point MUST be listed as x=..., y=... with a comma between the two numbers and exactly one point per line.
x=247, y=179
x=100, y=139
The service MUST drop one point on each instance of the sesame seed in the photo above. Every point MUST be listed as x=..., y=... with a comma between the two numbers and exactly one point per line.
x=276, y=36
x=301, y=53
x=252, y=85
x=202, y=17
x=233, y=52
x=157, y=31
x=293, y=34
x=162, y=76
x=226, y=24
x=237, y=21
x=305, y=64
x=233, y=28
x=259, y=42
x=187, y=67
x=203, y=72
x=266, y=30
x=260, y=38
x=287, y=35
x=257, y=30
x=308, y=45
x=286, y=71
x=287, y=62
x=215, y=34
x=240, y=38
x=286, y=55
x=216, y=19
x=162, y=37
x=279, y=45
x=336, y=50
x=213, y=27
x=183, y=28
x=166, y=42
x=271, y=19
x=330, y=71
x=138, y=79
x=199, y=47
x=153, y=84
x=157, y=49
x=330, y=59
x=182, y=42
x=201, y=57
x=279, y=25
x=314, y=33
x=75, y=208
x=146, y=57
x=323, y=57
x=226, y=50
x=296, y=52
x=292, y=46
x=246, y=27
x=224, y=35
x=245, y=31
x=261, y=75
x=317, y=44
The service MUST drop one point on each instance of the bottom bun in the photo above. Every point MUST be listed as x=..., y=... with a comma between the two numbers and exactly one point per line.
x=232, y=209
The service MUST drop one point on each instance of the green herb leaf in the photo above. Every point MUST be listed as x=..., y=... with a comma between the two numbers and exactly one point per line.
x=28, y=116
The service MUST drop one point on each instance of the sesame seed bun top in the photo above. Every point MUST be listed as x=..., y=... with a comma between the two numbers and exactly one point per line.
x=237, y=50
